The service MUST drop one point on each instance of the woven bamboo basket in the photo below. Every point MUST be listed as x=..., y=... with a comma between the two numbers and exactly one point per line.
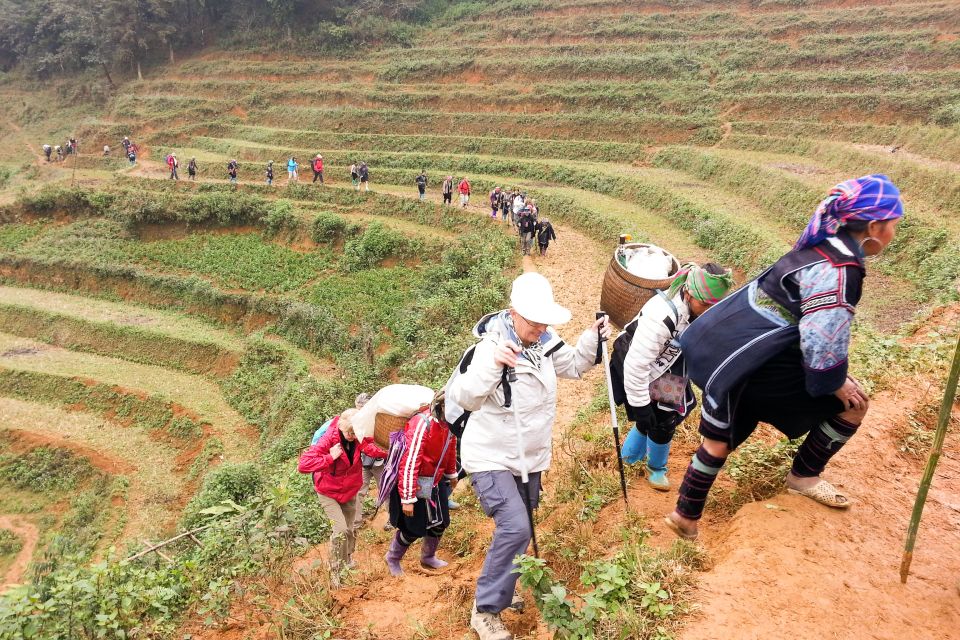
x=384, y=425
x=623, y=294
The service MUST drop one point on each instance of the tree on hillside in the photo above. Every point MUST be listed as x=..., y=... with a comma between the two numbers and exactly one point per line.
x=139, y=27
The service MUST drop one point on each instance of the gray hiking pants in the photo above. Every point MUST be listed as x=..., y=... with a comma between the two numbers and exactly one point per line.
x=500, y=497
x=343, y=538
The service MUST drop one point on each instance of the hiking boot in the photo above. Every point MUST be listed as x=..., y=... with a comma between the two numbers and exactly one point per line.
x=452, y=504
x=387, y=526
x=394, y=555
x=488, y=626
x=517, y=603
x=428, y=554
x=657, y=465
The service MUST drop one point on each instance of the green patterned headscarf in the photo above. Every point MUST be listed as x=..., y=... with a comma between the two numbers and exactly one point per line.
x=701, y=284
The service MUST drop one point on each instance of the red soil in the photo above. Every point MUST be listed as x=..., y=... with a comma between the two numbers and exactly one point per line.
x=27, y=532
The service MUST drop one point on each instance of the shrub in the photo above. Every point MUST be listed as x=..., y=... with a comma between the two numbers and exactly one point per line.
x=9, y=543
x=329, y=228
x=45, y=469
x=237, y=482
x=377, y=243
x=280, y=216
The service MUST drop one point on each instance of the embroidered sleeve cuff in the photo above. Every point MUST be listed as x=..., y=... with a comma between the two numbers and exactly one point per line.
x=406, y=501
x=450, y=476
x=823, y=382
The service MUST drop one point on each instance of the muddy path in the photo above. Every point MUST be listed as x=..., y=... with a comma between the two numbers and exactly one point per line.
x=28, y=534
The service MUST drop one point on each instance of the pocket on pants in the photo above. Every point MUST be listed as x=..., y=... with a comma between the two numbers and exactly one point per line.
x=488, y=492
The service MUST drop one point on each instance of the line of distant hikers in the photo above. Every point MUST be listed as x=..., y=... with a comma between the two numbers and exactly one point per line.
x=512, y=205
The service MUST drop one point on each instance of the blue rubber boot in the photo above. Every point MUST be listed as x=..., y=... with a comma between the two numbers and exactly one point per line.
x=634, y=448
x=657, y=465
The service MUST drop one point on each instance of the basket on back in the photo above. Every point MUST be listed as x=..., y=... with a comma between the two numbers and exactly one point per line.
x=389, y=410
x=624, y=293
x=385, y=424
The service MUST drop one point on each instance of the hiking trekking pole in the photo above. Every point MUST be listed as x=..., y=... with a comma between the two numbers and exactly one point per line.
x=942, y=422
x=613, y=412
x=511, y=375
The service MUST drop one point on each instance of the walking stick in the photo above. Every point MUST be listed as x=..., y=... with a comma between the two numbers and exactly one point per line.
x=511, y=375
x=613, y=413
x=944, y=419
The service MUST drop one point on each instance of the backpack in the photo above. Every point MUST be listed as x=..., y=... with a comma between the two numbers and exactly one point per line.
x=319, y=432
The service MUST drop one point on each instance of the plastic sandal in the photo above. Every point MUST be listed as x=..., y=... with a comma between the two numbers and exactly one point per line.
x=824, y=493
x=677, y=530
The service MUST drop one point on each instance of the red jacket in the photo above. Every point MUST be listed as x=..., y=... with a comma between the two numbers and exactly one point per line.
x=318, y=164
x=464, y=186
x=425, y=437
x=338, y=478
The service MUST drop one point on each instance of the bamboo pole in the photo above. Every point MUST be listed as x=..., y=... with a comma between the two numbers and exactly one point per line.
x=160, y=545
x=942, y=422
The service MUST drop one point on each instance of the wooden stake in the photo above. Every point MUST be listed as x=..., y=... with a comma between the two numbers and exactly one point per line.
x=942, y=422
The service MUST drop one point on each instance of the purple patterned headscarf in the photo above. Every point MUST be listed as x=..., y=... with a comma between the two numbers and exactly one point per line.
x=872, y=197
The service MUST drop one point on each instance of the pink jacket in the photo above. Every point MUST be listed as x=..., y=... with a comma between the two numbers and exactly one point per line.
x=338, y=478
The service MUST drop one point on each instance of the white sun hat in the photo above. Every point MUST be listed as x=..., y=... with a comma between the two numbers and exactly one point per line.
x=532, y=298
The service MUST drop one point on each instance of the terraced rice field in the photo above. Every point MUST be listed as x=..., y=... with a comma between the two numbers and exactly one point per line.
x=168, y=331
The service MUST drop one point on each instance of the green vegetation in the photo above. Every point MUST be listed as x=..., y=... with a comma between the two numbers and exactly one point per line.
x=639, y=593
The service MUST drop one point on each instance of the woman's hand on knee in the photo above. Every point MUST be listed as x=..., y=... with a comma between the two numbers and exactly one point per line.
x=853, y=397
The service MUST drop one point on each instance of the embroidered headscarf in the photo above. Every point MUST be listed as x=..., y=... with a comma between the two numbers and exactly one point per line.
x=701, y=284
x=868, y=198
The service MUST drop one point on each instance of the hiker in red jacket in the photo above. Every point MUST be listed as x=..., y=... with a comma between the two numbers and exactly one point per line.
x=464, y=188
x=427, y=474
x=337, y=475
x=173, y=164
x=318, y=168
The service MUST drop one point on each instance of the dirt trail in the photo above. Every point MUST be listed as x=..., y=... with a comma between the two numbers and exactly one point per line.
x=19, y=132
x=27, y=532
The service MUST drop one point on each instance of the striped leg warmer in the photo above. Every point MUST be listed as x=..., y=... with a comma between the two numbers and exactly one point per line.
x=696, y=485
x=820, y=445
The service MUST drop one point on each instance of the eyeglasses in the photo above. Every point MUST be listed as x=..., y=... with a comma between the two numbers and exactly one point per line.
x=536, y=326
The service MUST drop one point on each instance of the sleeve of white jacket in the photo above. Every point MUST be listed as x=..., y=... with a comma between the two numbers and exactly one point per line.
x=481, y=378
x=573, y=362
x=648, y=340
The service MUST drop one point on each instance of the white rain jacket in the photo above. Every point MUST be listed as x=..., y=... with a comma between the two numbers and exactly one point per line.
x=489, y=441
x=652, y=351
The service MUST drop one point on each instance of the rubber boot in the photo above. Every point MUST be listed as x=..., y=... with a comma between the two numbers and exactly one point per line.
x=428, y=554
x=634, y=448
x=395, y=554
x=657, y=465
